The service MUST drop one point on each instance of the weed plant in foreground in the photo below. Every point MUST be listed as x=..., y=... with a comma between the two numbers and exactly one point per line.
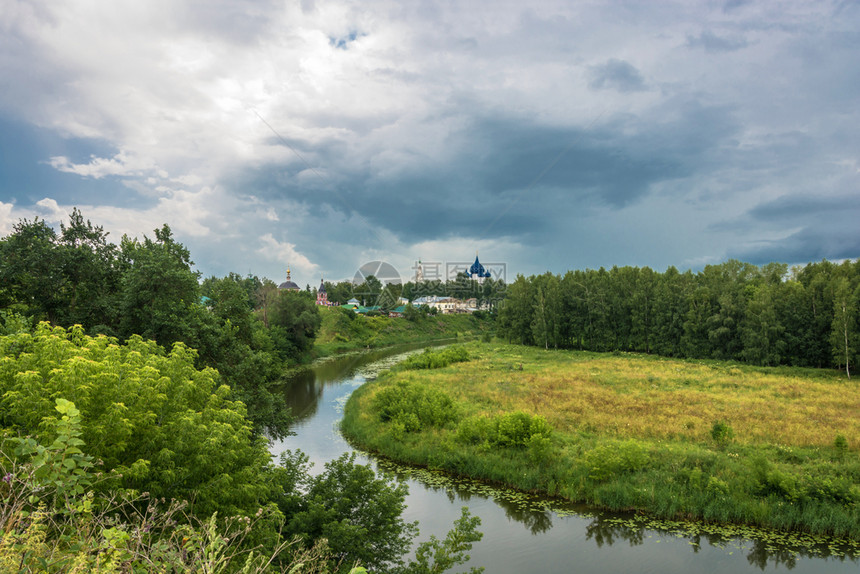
x=714, y=441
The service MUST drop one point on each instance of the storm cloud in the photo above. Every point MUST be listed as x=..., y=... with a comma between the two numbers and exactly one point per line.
x=325, y=134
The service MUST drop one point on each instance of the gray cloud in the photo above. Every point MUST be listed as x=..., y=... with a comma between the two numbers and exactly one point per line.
x=710, y=42
x=652, y=134
x=616, y=75
x=806, y=206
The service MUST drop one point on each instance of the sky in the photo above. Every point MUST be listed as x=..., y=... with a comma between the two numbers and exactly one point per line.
x=545, y=136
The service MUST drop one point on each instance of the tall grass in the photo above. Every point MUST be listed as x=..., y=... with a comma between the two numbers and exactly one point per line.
x=771, y=447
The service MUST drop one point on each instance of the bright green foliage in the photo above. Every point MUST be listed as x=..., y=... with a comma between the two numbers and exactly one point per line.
x=612, y=459
x=517, y=429
x=436, y=359
x=62, y=467
x=414, y=407
x=840, y=443
x=110, y=533
x=161, y=424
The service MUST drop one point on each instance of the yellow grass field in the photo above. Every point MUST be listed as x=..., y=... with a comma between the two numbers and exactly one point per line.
x=639, y=396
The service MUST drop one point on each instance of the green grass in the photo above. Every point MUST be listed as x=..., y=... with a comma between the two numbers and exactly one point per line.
x=343, y=330
x=715, y=441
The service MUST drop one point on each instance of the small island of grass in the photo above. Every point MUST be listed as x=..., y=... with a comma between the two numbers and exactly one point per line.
x=702, y=440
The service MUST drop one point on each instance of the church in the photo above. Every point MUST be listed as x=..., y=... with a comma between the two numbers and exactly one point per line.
x=322, y=295
x=289, y=285
x=477, y=271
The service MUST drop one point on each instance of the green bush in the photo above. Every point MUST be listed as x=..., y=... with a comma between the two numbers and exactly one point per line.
x=614, y=458
x=431, y=359
x=517, y=429
x=841, y=446
x=414, y=406
x=722, y=433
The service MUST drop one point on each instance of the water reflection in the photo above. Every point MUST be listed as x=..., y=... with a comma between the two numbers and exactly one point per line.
x=561, y=537
x=608, y=533
x=303, y=389
x=303, y=394
x=607, y=530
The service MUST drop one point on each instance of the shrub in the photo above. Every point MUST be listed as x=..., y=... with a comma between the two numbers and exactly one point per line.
x=722, y=433
x=841, y=446
x=610, y=459
x=414, y=406
x=431, y=359
x=518, y=430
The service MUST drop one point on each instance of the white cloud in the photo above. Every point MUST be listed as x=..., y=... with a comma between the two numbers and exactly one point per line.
x=50, y=210
x=286, y=254
x=119, y=165
x=6, y=220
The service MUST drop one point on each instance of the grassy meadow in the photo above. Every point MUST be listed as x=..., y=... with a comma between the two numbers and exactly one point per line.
x=717, y=441
x=342, y=330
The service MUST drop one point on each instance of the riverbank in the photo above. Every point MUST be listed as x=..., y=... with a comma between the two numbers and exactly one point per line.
x=720, y=442
x=343, y=331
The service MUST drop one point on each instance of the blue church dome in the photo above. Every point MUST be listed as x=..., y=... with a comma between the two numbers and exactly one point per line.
x=477, y=270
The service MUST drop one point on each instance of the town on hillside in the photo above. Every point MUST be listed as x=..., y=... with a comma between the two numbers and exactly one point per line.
x=474, y=285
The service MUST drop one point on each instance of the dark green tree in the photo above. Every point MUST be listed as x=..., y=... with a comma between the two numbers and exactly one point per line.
x=294, y=321
x=92, y=275
x=358, y=513
x=158, y=289
x=516, y=315
x=844, y=335
x=32, y=279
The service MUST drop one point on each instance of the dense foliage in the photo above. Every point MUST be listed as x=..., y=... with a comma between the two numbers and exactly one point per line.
x=91, y=430
x=436, y=359
x=344, y=330
x=761, y=315
x=243, y=327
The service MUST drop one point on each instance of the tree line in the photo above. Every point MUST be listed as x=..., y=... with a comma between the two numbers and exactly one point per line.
x=764, y=315
x=244, y=327
x=372, y=291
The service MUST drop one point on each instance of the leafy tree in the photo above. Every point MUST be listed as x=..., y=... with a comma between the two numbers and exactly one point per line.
x=844, y=335
x=642, y=303
x=231, y=301
x=546, y=321
x=515, y=317
x=670, y=311
x=265, y=299
x=158, y=422
x=368, y=292
x=294, y=321
x=31, y=277
x=762, y=329
x=358, y=513
x=159, y=289
x=92, y=275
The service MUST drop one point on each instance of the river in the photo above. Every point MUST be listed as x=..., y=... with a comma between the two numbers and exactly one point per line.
x=518, y=538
